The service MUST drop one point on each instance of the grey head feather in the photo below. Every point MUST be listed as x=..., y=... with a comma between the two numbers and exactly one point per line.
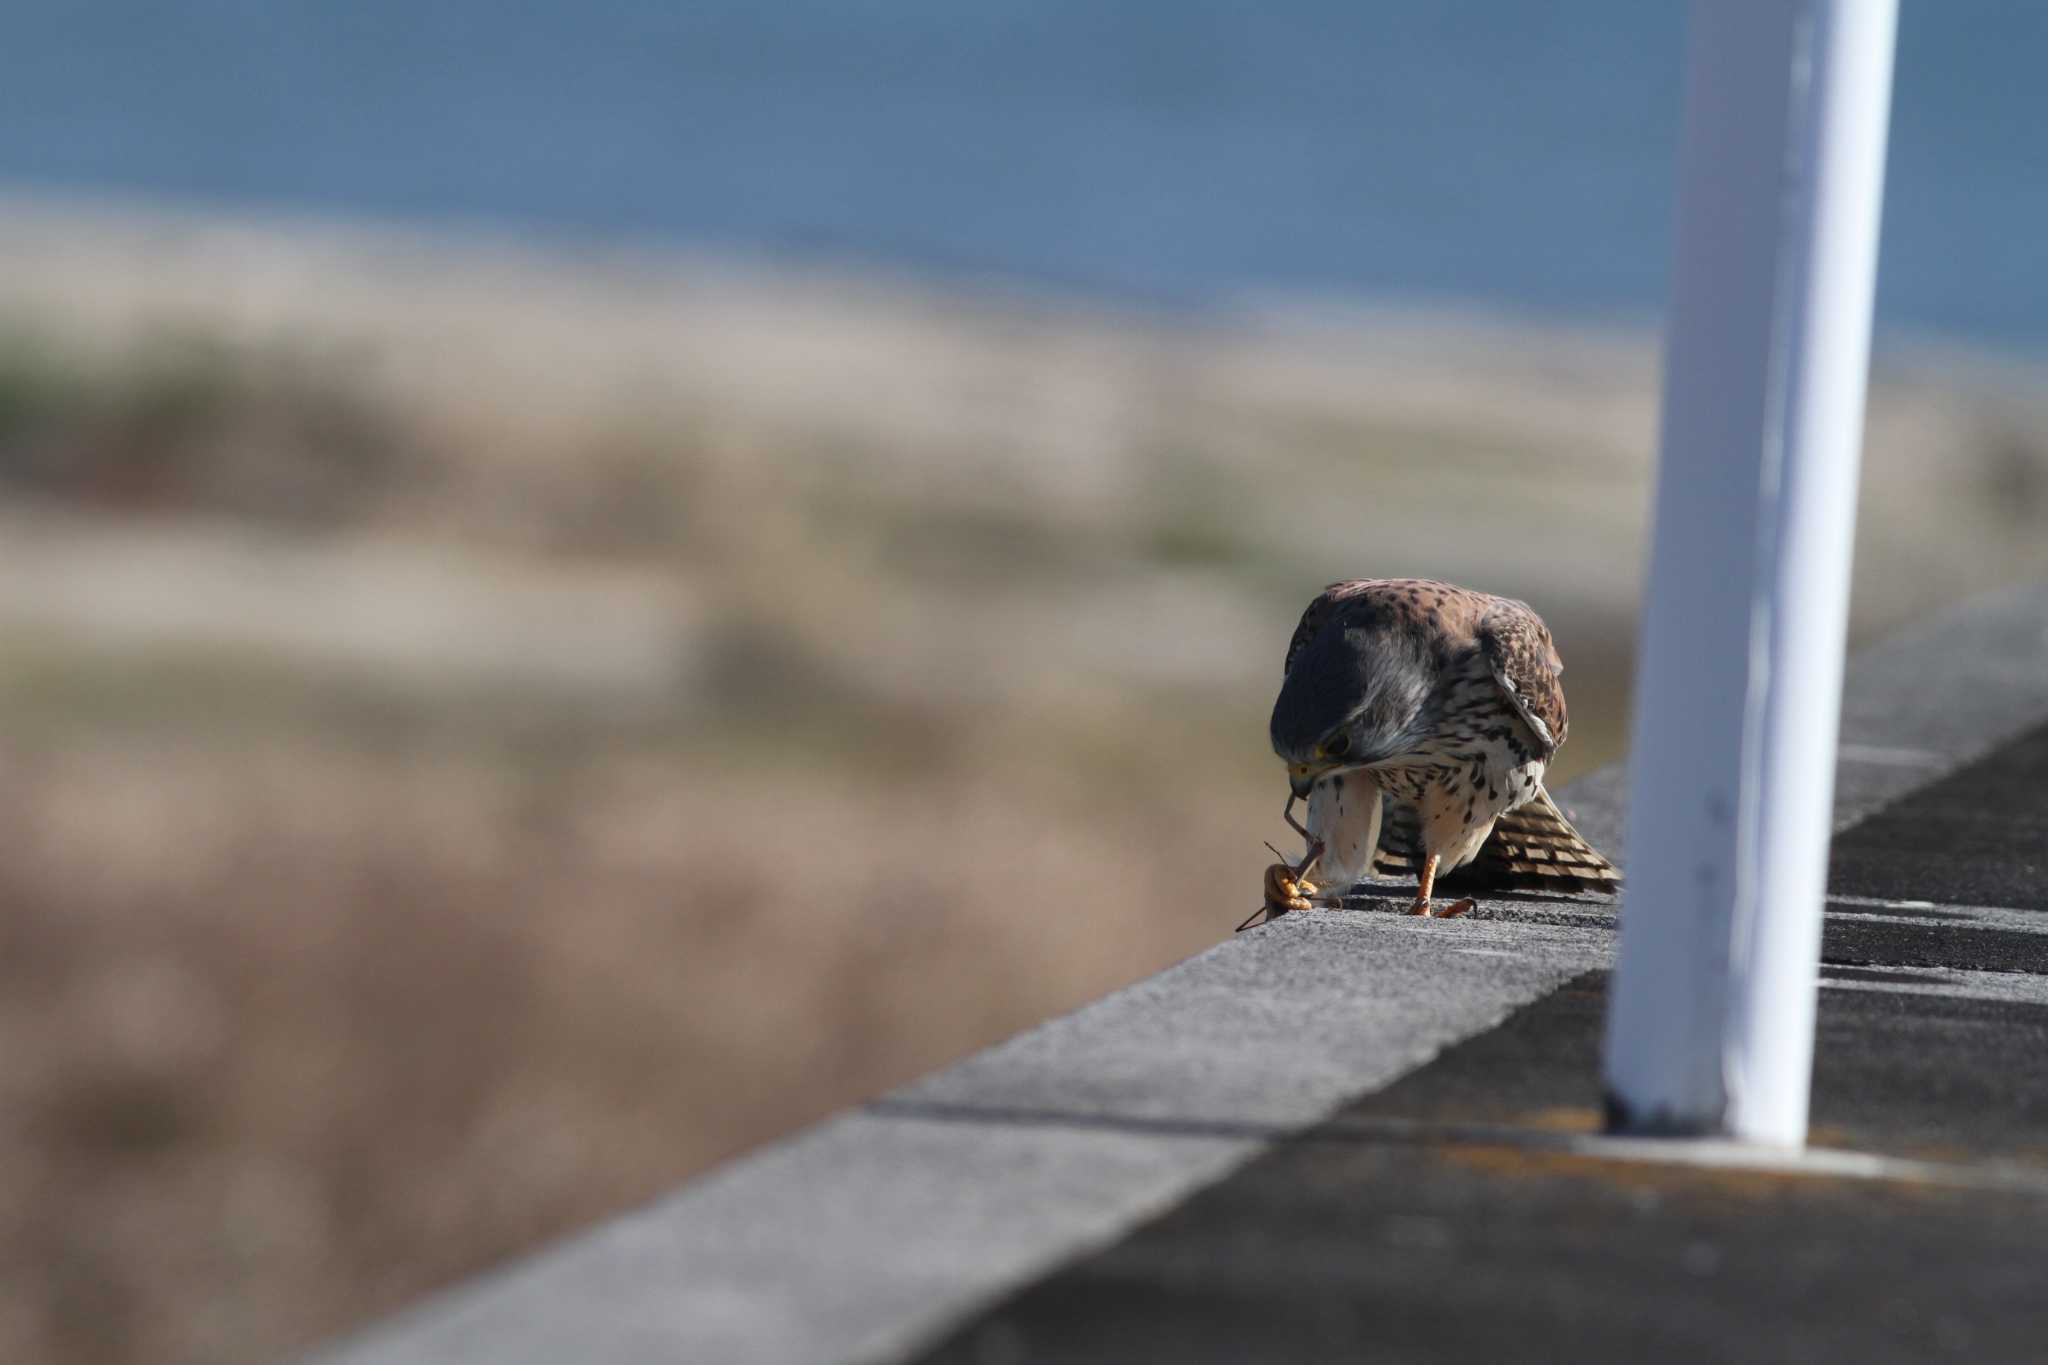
x=1377, y=675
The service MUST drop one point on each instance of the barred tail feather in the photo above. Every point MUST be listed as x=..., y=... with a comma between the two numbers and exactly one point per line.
x=1532, y=848
x=1535, y=845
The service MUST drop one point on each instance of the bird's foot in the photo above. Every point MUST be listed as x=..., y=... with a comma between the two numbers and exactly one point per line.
x=1431, y=910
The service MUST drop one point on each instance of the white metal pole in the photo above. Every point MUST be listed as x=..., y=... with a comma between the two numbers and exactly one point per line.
x=1781, y=167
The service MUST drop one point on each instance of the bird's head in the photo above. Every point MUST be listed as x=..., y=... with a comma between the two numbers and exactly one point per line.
x=1354, y=699
x=1306, y=768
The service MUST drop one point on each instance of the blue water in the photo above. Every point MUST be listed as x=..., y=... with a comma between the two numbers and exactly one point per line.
x=1509, y=153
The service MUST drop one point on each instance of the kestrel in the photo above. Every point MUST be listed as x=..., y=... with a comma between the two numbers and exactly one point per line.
x=1441, y=705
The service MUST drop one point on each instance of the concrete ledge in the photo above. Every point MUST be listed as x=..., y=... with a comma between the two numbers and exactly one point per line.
x=871, y=1234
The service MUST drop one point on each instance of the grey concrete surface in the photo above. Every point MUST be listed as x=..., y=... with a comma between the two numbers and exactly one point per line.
x=1270, y=1031
x=1944, y=691
x=856, y=1239
x=1469, y=1211
x=886, y=1227
x=848, y=1241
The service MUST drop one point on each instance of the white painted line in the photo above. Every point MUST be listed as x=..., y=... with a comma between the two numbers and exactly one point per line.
x=1944, y=907
x=1891, y=757
x=2013, y=988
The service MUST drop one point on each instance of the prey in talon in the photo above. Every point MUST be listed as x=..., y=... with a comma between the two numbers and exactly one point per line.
x=1417, y=720
x=1285, y=893
x=1287, y=887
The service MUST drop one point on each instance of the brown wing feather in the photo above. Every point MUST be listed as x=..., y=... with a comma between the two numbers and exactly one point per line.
x=1526, y=668
x=1532, y=848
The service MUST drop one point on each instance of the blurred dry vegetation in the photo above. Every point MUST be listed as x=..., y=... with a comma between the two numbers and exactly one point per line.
x=487, y=731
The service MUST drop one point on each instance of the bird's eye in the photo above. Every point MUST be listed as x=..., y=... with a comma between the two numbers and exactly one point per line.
x=1337, y=746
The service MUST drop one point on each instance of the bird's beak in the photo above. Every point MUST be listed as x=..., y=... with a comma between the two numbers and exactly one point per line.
x=1300, y=777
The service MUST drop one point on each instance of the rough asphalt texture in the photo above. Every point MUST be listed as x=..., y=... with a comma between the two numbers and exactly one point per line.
x=1428, y=1222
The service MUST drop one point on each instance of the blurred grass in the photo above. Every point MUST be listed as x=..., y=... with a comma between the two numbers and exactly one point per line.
x=182, y=419
x=484, y=735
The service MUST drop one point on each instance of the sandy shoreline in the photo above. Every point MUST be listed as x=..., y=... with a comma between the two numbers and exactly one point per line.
x=1299, y=443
